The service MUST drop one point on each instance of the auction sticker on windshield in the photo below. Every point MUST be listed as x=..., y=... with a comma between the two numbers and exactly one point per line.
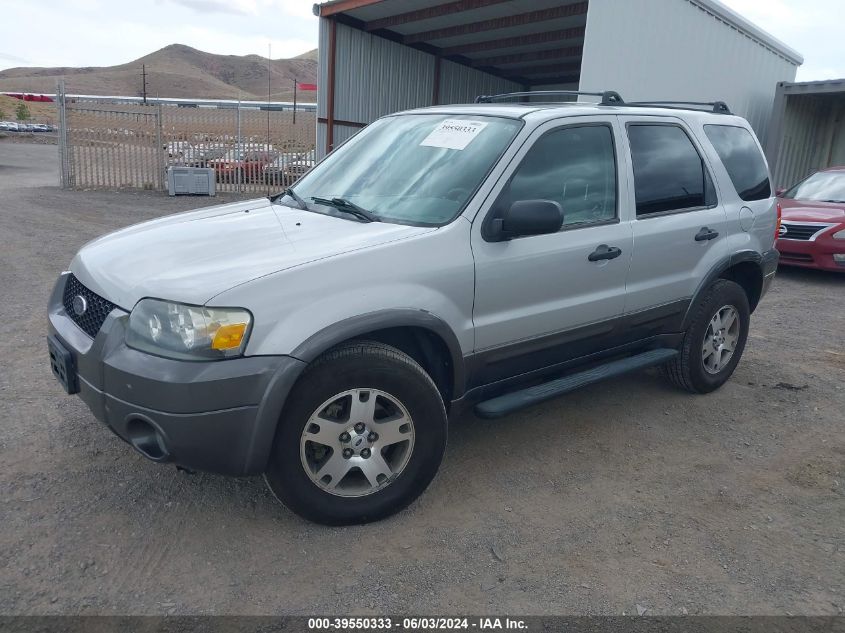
x=453, y=134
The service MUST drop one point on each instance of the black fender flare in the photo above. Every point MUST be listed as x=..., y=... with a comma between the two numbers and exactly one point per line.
x=715, y=272
x=353, y=327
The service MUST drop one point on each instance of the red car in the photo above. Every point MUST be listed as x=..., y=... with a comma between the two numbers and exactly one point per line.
x=812, y=231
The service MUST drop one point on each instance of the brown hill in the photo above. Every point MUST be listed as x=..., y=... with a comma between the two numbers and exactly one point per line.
x=175, y=71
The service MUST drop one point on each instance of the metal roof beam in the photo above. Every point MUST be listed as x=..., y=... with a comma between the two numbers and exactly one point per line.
x=546, y=81
x=450, y=8
x=546, y=69
x=534, y=56
x=575, y=32
x=553, y=13
x=326, y=9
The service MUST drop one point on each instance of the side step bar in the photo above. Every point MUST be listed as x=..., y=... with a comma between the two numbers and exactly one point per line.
x=510, y=402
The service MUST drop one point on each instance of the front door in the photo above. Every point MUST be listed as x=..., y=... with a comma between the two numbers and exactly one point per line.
x=544, y=299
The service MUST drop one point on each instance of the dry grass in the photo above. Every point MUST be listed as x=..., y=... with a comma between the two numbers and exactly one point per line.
x=40, y=112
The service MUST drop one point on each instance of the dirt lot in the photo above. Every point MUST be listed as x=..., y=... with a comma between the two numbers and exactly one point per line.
x=623, y=494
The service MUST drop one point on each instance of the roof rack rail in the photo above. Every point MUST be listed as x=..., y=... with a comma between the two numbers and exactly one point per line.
x=608, y=97
x=719, y=107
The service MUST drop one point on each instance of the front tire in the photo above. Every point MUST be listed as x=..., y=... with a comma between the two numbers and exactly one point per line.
x=361, y=436
x=714, y=342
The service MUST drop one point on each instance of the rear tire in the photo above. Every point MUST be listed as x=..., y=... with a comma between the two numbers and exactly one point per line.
x=714, y=342
x=370, y=418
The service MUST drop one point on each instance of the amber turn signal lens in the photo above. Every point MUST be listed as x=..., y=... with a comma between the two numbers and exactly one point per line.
x=229, y=336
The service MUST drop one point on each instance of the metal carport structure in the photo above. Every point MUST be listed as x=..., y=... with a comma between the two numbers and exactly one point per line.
x=381, y=56
x=807, y=130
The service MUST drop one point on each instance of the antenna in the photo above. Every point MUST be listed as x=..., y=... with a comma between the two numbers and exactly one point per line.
x=269, y=77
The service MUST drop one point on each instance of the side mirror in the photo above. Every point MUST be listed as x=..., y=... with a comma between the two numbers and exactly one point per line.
x=528, y=217
x=780, y=191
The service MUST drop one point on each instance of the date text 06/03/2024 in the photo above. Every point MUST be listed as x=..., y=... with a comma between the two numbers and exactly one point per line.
x=416, y=624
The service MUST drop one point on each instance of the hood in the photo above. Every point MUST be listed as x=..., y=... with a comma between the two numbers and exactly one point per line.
x=192, y=257
x=810, y=211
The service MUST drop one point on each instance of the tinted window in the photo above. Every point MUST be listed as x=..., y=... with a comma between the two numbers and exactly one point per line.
x=668, y=172
x=740, y=156
x=575, y=166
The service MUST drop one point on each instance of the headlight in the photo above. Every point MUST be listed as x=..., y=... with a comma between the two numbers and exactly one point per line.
x=187, y=332
x=839, y=235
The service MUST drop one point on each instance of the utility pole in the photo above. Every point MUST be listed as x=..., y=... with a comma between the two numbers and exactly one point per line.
x=294, y=101
x=144, y=82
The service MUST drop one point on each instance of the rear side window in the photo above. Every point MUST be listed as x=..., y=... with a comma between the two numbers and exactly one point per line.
x=669, y=174
x=741, y=157
x=575, y=166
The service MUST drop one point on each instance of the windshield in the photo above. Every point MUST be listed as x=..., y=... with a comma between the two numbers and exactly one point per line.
x=414, y=169
x=823, y=186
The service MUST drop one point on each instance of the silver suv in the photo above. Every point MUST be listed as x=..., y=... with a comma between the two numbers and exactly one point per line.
x=491, y=256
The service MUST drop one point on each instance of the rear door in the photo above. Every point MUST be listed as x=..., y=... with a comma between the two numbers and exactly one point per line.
x=680, y=228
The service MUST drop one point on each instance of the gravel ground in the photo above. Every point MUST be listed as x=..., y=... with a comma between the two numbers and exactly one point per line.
x=624, y=494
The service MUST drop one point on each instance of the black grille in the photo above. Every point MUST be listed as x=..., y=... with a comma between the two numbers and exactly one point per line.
x=97, y=308
x=800, y=231
x=797, y=257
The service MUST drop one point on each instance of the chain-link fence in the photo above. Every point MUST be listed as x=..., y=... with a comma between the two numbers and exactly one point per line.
x=112, y=146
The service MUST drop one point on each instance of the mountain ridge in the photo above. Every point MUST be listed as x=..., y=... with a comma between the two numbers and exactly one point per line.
x=176, y=71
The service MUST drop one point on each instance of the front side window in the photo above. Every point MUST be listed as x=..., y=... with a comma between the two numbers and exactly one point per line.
x=414, y=169
x=669, y=174
x=742, y=160
x=574, y=166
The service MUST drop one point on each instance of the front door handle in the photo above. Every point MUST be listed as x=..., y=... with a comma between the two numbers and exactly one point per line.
x=604, y=252
x=706, y=233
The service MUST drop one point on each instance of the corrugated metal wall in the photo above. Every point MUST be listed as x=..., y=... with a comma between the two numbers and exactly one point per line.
x=460, y=84
x=374, y=77
x=812, y=133
x=676, y=49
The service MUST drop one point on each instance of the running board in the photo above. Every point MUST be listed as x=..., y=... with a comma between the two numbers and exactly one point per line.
x=510, y=402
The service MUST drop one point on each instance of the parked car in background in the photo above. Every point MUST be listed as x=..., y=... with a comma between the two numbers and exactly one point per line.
x=200, y=155
x=11, y=126
x=6, y=126
x=241, y=166
x=298, y=168
x=812, y=231
x=177, y=149
x=287, y=168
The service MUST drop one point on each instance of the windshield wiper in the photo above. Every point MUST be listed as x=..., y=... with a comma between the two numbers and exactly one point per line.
x=341, y=204
x=836, y=201
x=289, y=192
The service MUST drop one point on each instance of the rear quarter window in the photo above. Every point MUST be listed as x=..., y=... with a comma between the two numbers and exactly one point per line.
x=742, y=159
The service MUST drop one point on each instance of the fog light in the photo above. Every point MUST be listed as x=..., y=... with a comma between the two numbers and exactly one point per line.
x=839, y=258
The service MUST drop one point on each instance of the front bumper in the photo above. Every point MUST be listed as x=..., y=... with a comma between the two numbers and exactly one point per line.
x=817, y=253
x=217, y=416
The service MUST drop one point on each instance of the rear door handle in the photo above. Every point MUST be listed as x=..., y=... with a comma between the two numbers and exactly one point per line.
x=604, y=252
x=705, y=234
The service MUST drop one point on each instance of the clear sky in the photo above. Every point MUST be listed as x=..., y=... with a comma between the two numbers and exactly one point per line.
x=108, y=32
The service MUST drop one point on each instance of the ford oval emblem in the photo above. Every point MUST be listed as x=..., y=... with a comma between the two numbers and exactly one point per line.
x=80, y=305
